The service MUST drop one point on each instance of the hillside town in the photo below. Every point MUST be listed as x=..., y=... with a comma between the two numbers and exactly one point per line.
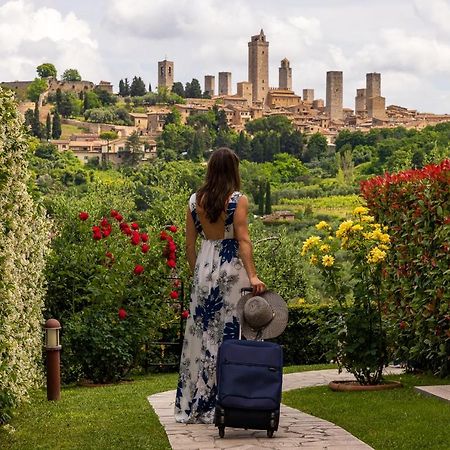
x=252, y=99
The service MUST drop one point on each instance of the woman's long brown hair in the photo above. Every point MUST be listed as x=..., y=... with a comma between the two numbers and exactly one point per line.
x=222, y=179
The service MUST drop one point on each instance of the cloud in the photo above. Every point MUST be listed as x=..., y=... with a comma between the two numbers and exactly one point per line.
x=31, y=35
x=435, y=12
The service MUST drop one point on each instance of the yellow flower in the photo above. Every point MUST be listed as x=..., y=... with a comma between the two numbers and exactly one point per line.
x=301, y=301
x=325, y=248
x=360, y=210
x=376, y=255
x=357, y=227
x=327, y=260
x=344, y=227
x=310, y=242
x=313, y=260
x=322, y=224
x=367, y=219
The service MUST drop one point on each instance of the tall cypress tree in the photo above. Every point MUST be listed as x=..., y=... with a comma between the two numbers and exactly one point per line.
x=36, y=125
x=121, y=88
x=268, y=200
x=56, y=128
x=261, y=200
x=48, y=127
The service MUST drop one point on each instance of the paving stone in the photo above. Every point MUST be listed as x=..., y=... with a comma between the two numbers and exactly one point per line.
x=296, y=429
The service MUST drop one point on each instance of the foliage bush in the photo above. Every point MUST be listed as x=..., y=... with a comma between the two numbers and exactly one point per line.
x=23, y=245
x=359, y=248
x=415, y=205
x=108, y=308
x=305, y=339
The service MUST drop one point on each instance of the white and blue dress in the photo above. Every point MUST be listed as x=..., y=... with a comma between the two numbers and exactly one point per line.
x=219, y=276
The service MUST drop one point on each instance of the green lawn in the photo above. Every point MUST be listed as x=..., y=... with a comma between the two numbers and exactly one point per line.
x=397, y=419
x=67, y=130
x=120, y=417
x=109, y=417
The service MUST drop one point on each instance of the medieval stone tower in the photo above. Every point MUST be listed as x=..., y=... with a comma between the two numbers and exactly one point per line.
x=360, y=101
x=285, y=75
x=165, y=74
x=224, y=83
x=210, y=84
x=335, y=95
x=375, y=103
x=258, y=66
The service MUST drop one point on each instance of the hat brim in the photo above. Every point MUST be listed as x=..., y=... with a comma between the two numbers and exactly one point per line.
x=275, y=327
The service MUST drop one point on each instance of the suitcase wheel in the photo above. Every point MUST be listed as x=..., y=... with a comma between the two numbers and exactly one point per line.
x=270, y=433
x=221, y=431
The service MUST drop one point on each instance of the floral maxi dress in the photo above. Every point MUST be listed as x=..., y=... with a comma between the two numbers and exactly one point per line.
x=219, y=276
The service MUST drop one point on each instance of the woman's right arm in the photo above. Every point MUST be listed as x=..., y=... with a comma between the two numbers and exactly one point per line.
x=245, y=245
x=191, y=238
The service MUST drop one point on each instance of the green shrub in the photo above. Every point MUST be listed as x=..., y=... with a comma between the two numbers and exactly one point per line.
x=23, y=247
x=415, y=205
x=306, y=338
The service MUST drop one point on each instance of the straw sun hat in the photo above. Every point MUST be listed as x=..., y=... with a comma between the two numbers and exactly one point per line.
x=262, y=316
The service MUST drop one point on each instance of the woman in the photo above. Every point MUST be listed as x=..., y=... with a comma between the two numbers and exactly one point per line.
x=223, y=266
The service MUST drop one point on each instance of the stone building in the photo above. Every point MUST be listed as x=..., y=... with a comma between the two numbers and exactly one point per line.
x=308, y=95
x=105, y=86
x=244, y=89
x=165, y=74
x=210, y=85
x=225, y=83
x=258, y=66
x=335, y=95
x=285, y=75
x=277, y=98
x=375, y=103
x=360, y=102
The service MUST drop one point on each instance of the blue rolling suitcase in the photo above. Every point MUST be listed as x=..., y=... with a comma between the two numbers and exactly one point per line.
x=249, y=379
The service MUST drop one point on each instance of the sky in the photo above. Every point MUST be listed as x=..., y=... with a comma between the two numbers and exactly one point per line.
x=407, y=41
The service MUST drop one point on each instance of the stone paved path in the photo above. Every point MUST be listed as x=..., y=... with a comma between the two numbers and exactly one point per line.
x=296, y=429
x=442, y=392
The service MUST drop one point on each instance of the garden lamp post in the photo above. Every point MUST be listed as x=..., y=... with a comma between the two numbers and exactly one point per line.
x=53, y=350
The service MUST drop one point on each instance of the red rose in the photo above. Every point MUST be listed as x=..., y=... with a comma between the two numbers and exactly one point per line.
x=144, y=237
x=172, y=246
x=171, y=263
x=106, y=232
x=145, y=248
x=97, y=236
x=172, y=256
x=119, y=217
x=104, y=223
x=83, y=215
x=173, y=228
x=96, y=229
x=185, y=314
x=174, y=295
x=138, y=269
x=114, y=213
x=163, y=236
x=177, y=283
x=135, y=237
x=402, y=325
x=122, y=314
x=109, y=255
x=135, y=226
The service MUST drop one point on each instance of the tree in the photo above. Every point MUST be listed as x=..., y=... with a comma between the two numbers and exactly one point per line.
x=261, y=199
x=137, y=88
x=121, y=88
x=316, y=148
x=48, y=127
x=268, y=208
x=132, y=154
x=46, y=70
x=193, y=89
x=149, y=87
x=56, y=126
x=23, y=244
x=70, y=105
x=173, y=117
x=196, y=151
x=58, y=100
x=126, y=88
x=71, y=75
x=243, y=146
x=29, y=117
x=36, y=128
x=36, y=88
x=91, y=100
x=178, y=89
